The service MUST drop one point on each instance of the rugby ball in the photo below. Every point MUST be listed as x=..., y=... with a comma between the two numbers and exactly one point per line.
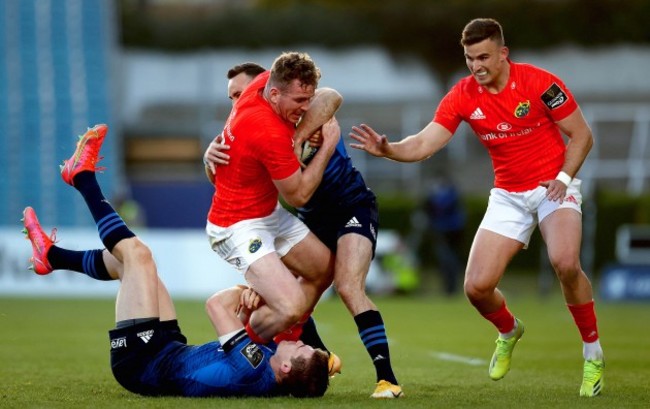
x=307, y=152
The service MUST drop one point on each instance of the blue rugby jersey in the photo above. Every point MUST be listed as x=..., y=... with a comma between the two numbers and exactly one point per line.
x=342, y=186
x=208, y=370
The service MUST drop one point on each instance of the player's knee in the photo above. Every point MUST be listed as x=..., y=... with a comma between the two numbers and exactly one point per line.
x=476, y=291
x=140, y=254
x=348, y=290
x=566, y=268
x=288, y=318
x=290, y=310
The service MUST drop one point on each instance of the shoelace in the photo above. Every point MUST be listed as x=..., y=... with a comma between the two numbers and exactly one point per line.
x=52, y=238
x=92, y=152
x=591, y=372
x=502, y=347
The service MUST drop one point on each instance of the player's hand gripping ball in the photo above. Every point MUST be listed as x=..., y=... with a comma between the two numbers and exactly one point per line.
x=307, y=152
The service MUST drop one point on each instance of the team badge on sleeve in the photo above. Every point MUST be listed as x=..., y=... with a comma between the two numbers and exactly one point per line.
x=253, y=354
x=554, y=96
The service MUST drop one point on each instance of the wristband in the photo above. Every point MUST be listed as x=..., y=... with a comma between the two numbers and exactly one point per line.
x=232, y=338
x=564, y=178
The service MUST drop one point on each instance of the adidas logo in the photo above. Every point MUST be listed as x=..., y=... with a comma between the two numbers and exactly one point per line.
x=378, y=358
x=571, y=199
x=477, y=114
x=145, y=336
x=353, y=222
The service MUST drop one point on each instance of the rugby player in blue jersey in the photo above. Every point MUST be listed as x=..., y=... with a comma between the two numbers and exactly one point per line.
x=149, y=354
x=343, y=214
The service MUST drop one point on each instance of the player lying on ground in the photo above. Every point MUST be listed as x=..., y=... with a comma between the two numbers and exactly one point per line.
x=149, y=354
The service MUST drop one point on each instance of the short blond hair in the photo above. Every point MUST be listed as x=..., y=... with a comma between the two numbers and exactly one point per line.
x=290, y=66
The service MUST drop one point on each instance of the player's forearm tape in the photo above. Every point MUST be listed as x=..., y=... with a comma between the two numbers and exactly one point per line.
x=564, y=178
x=231, y=339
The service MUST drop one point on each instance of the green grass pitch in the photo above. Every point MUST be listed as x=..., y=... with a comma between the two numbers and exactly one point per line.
x=54, y=354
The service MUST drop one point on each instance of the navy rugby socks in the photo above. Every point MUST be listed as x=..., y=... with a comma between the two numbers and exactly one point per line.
x=110, y=225
x=89, y=262
x=310, y=336
x=373, y=335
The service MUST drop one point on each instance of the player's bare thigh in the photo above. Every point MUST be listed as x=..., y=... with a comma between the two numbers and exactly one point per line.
x=562, y=233
x=273, y=281
x=311, y=260
x=138, y=295
x=488, y=258
x=353, y=257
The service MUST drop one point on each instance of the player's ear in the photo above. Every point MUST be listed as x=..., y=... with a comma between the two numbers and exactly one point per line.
x=274, y=95
x=285, y=367
x=505, y=51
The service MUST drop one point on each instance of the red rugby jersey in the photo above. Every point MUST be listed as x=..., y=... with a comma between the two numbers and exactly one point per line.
x=517, y=125
x=261, y=150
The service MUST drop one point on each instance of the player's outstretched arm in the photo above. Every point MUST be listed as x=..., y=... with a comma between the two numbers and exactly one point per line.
x=410, y=149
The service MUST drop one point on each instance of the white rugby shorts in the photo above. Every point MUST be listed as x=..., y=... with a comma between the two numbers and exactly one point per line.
x=244, y=242
x=515, y=215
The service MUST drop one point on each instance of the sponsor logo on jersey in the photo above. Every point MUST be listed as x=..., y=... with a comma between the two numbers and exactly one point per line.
x=491, y=136
x=477, y=114
x=228, y=130
x=145, y=336
x=254, y=245
x=253, y=354
x=523, y=108
x=554, y=96
x=118, y=343
x=504, y=126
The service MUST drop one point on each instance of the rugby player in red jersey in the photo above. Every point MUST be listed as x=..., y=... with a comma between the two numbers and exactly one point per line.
x=325, y=102
x=246, y=224
x=519, y=112
x=343, y=214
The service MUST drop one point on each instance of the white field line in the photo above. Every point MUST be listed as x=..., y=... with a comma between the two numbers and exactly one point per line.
x=446, y=356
